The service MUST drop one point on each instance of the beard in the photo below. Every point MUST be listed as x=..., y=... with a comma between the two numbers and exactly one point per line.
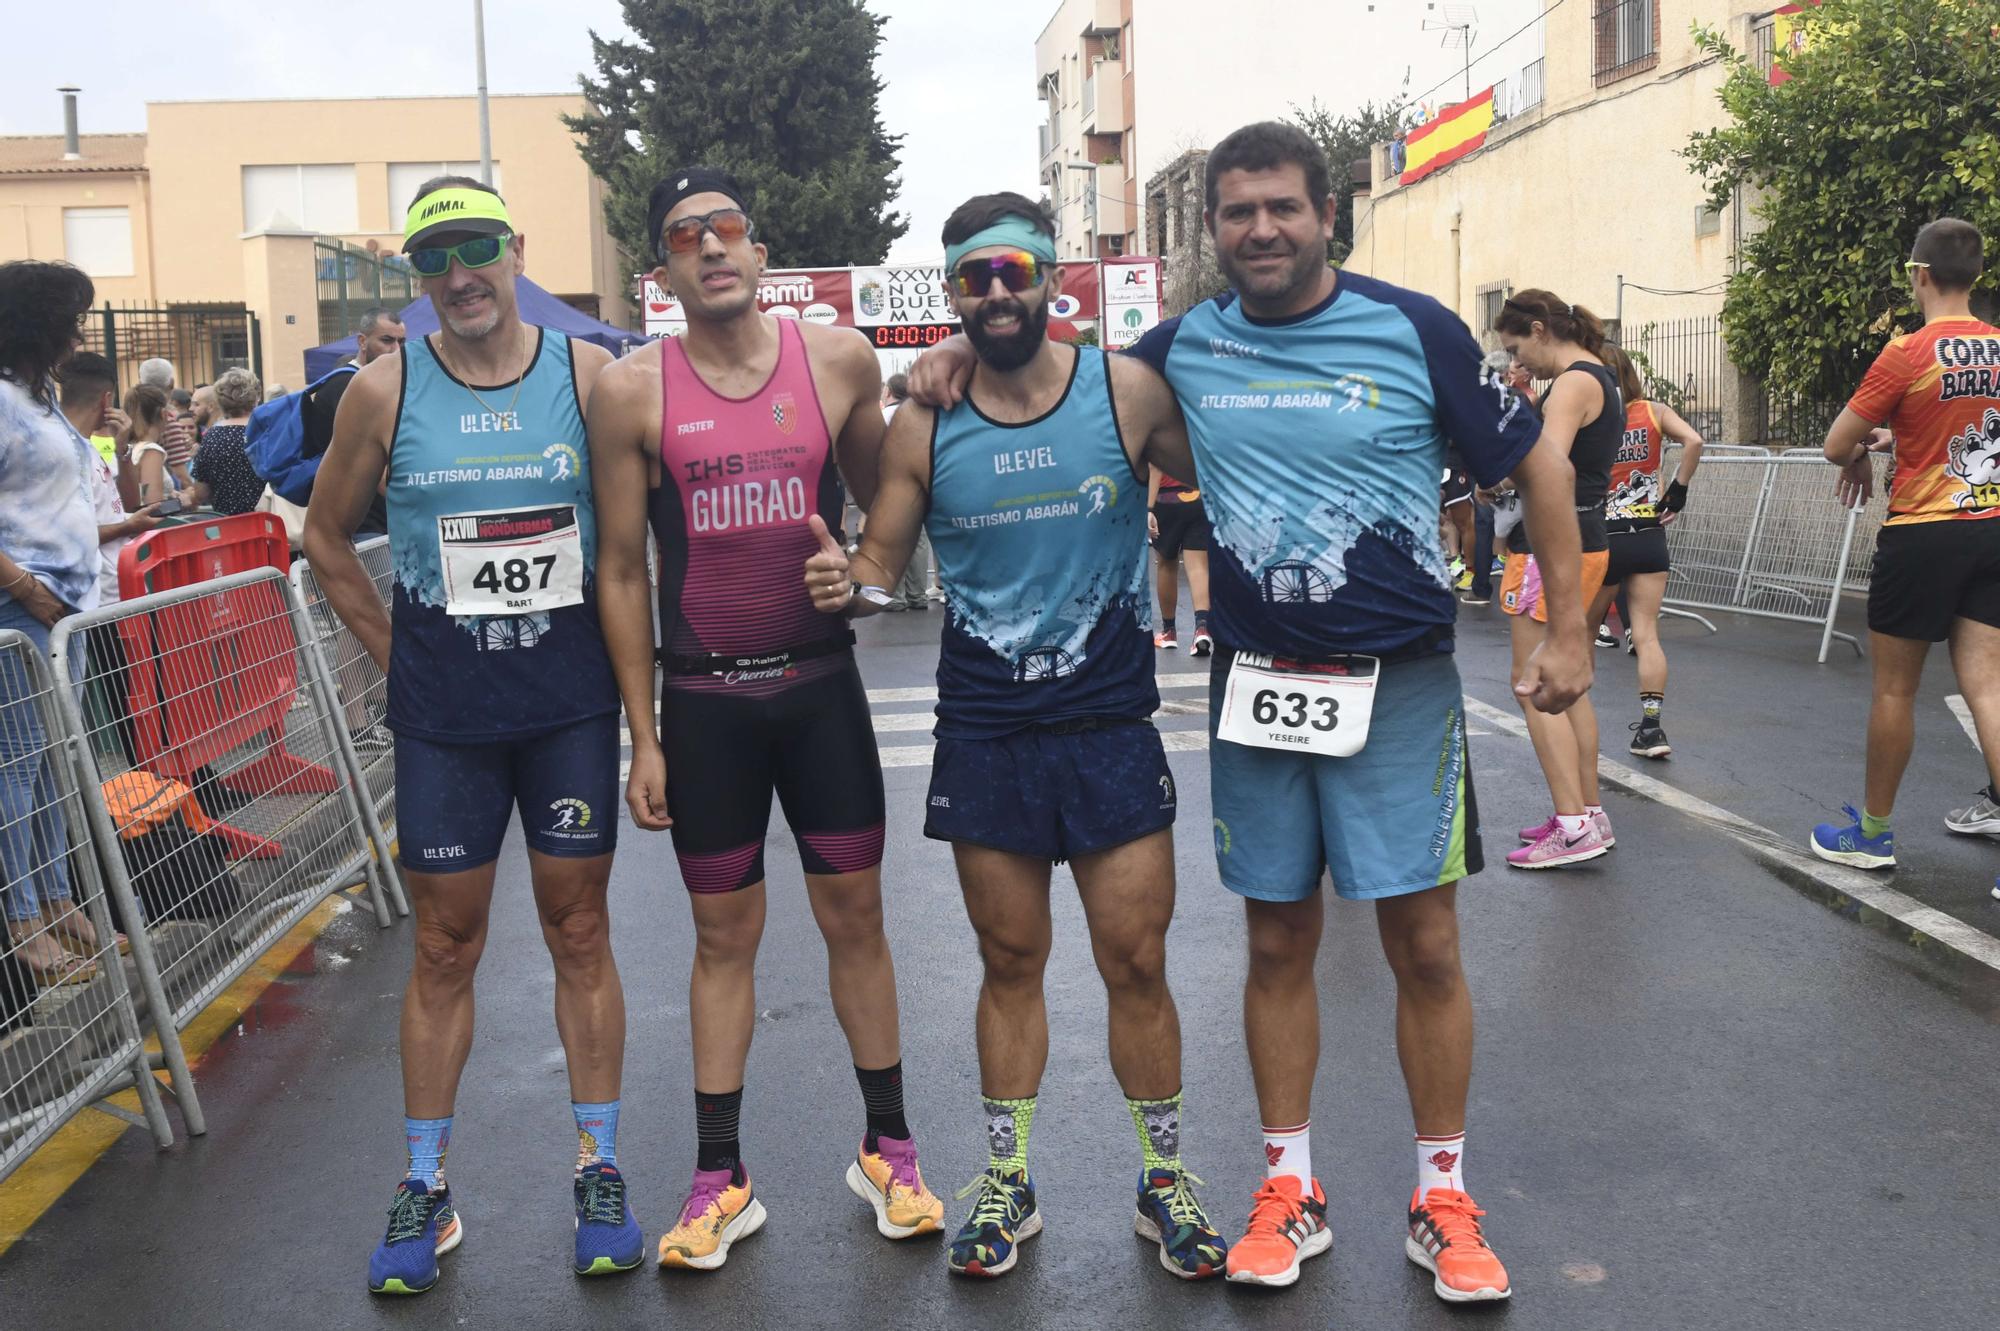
x=1271, y=286
x=471, y=329
x=1008, y=351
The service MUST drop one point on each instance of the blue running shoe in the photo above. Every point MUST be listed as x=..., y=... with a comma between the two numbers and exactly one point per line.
x=423, y=1226
x=1846, y=845
x=1002, y=1216
x=608, y=1238
x=1171, y=1216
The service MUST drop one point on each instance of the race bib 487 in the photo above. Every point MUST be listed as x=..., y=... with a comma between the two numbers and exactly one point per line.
x=513, y=561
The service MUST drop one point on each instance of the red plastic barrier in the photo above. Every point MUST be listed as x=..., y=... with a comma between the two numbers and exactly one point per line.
x=215, y=673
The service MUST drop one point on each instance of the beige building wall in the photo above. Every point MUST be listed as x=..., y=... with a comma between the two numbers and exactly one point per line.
x=196, y=153
x=1571, y=194
x=1144, y=81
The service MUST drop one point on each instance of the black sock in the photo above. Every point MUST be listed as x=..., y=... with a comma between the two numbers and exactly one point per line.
x=1201, y=621
x=882, y=1093
x=715, y=1118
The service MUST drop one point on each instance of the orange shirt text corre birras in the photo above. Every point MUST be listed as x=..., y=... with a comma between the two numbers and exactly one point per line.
x=1939, y=390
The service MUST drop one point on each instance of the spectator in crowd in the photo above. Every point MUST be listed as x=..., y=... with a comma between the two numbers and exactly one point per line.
x=275, y=392
x=380, y=334
x=222, y=467
x=204, y=408
x=158, y=372
x=48, y=569
x=87, y=383
x=181, y=400
x=162, y=468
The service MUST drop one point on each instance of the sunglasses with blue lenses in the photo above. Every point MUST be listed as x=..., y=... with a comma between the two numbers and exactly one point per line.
x=479, y=252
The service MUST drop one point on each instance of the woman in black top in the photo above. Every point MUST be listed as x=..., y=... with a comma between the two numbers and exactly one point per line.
x=1563, y=342
x=221, y=465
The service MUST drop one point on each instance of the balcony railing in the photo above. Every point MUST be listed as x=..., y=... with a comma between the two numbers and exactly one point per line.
x=1532, y=88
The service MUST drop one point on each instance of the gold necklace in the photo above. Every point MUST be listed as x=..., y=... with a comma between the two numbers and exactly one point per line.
x=506, y=418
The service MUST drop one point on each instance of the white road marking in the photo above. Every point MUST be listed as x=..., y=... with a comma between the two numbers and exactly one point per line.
x=1183, y=679
x=1870, y=891
x=1964, y=714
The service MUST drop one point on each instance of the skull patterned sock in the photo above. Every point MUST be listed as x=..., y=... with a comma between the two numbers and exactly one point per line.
x=1440, y=1162
x=1159, y=1125
x=596, y=1133
x=1007, y=1124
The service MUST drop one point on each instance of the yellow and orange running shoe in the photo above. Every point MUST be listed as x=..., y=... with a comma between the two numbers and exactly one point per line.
x=1445, y=1239
x=719, y=1210
x=1286, y=1227
x=887, y=1178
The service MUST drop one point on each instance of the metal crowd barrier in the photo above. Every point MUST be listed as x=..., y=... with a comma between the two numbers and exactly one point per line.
x=216, y=784
x=70, y=1032
x=1764, y=535
x=362, y=692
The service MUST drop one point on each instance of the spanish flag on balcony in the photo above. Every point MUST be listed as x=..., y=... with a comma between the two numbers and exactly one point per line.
x=1788, y=37
x=1456, y=131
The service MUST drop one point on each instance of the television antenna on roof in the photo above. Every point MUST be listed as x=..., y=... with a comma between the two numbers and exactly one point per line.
x=1460, y=26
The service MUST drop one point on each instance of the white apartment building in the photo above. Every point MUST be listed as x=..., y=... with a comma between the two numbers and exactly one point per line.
x=1131, y=85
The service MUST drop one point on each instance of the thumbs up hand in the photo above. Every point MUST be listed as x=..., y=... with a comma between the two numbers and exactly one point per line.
x=827, y=579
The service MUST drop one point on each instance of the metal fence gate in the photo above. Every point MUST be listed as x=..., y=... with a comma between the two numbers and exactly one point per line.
x=200, y=340
x=352, y=280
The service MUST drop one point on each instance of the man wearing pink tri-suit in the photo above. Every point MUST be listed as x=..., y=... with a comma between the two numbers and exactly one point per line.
x=729, y=439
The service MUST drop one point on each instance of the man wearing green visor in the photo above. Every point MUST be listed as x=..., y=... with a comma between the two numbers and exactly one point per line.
x=500, y=691
x=1033, y=490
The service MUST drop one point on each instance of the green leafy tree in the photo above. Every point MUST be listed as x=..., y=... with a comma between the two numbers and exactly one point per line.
x=782, y=93
x=1347, y=139
x=1891, y=118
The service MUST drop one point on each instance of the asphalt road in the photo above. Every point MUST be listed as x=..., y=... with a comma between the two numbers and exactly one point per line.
x=1701, y=1099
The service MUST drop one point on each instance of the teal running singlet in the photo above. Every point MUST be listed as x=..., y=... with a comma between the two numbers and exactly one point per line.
x=1040, y=534
x=494, y=632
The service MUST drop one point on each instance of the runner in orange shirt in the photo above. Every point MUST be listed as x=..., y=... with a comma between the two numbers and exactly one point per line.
x=1937, y=560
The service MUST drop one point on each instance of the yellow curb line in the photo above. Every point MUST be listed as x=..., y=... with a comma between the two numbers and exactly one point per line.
x=46, y=1175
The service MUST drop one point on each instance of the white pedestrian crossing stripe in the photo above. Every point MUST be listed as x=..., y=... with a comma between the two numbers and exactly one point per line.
x=918, y=754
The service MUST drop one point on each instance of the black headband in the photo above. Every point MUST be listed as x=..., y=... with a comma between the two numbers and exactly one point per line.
x=684, y=184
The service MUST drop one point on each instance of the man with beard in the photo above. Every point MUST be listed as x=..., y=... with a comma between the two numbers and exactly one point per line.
x=731, y=435
x=500, y=693
x=1336, y=710
x=1034, y=494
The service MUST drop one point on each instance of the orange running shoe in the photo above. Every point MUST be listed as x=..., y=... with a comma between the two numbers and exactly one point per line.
x=1445, y=1240
x=1286, y=1227
x=887, y=1178
x=720, y=1209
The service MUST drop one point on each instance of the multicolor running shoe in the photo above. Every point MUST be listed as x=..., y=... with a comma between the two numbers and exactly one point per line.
x=1445, y=1239
x=423, y=1226
x=885, y=1175
x=720, y=1209
x=608, y=1237
x=1171, y=1216
x=1286, y=1227
x=1003, y=1215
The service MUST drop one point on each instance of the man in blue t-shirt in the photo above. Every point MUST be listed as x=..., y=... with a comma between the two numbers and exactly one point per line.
x=1320, y=406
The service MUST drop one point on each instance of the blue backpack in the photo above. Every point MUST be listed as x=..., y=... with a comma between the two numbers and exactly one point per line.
x=276, y=442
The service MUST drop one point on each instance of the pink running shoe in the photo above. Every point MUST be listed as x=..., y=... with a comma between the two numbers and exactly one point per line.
x=1602, y=821
x=1530, y=835
x=1558, y=848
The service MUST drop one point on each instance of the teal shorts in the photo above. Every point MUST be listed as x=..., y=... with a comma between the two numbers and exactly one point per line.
x=1397, y=817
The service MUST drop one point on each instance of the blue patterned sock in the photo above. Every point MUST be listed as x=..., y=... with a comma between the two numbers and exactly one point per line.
x=427, y=1139
x=596, y=1133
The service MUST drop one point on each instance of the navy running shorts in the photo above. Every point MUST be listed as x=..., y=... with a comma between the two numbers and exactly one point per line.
x=813, y=744
x=453, y=801
x=1052, y=793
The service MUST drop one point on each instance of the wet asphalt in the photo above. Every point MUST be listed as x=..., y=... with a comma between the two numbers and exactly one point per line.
x=1700, y=1098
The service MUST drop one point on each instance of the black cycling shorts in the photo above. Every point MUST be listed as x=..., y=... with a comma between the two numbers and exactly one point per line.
x=1928, y=574
x=813, y=744
x=1183, y=526
x=1635, y=553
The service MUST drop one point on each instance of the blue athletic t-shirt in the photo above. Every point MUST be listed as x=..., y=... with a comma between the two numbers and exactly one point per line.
x=1319, y=440
x=468, y=679
x=1040, y=535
